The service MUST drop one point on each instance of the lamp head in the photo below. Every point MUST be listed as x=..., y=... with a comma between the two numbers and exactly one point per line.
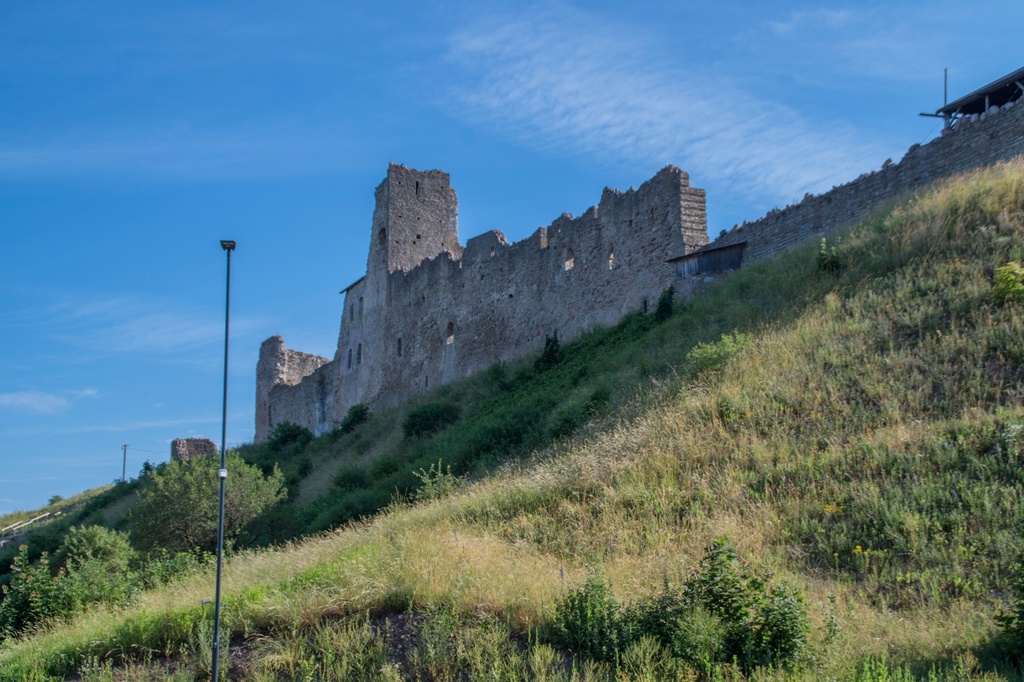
x=227, y=244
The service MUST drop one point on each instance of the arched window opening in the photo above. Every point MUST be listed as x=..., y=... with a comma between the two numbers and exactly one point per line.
x=382, y=236
x=492, y=252
x=360, y=307
x=643, y=306
x=611, y=258
x=359, y=348
x=399, y=346
x=350, y=358
x=450, y=334
x=351, y=312
x=570, y=259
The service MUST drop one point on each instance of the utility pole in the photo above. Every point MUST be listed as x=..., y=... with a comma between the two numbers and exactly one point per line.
x=124, y=462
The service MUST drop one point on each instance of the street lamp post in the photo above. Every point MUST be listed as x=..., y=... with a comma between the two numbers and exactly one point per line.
x=228, y=247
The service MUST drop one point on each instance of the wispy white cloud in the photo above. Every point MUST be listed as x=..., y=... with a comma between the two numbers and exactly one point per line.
x=120, y=427
x=201, y=150
x=814, y=20
x=34, y=401
x=42, y=402
x=565, y=81
x=107, y=323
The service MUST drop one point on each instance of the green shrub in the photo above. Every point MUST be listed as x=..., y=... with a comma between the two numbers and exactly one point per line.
x=568, y=419
x=722, y=613
x=33, y=596
x=599, y=399
x=665, y=307
x=1009, y=286
x=829, y=258
x=352, y=477
x=551, y=355
x=759, y=626
x=287, y=433
x=588, y=620
x=705, y=357
x=437, y=482
x=98, y=566
x=385, y=466
x=356, y=415
x=430, y=418
x=161, y=567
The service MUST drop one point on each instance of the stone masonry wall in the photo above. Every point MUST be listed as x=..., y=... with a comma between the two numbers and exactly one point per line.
x=408, y=327
x=998, y=136
x=185, y=449
x=279, y=392
x=429, y=311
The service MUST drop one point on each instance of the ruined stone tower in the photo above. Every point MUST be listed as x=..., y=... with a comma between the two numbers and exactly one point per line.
x=429, y=311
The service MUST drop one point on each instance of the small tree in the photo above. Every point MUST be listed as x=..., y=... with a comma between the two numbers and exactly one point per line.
x=551, y=355
x=665, y=308
x=177, y=510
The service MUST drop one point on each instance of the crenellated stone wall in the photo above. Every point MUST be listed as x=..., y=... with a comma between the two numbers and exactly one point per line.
x=430, y=311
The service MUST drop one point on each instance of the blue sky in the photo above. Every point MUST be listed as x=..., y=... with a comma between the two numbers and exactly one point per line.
x=134, y=136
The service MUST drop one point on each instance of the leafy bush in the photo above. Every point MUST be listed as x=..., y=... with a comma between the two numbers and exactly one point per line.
x=356, y=415
x=588, y=620
x=287, y=433
x=178, y=509
x=430, y=418
x=706, y=357
x=98, y=566
x=1009, y=286
x=722, y=613
x=33, y=595
x=352, y=477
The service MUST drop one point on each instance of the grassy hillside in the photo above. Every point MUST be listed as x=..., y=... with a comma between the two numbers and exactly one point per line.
x=850, y=417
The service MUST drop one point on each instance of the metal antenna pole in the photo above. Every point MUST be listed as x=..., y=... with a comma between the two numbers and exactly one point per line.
x=124, y=462
x=228, y=246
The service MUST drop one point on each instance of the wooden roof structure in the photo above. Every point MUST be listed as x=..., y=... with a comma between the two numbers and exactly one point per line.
x=998, y=93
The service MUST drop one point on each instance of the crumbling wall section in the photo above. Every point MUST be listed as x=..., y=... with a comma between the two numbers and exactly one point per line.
x=186, y=449
x=464, y=309
x=277, y=370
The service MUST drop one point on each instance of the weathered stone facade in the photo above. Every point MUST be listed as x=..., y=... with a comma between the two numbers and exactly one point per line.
x=972, y=143
x=185, y=449
x=430, y=311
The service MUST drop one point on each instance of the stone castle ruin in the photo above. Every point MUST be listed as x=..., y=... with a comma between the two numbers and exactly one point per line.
x=430, y=311
x=187, y=449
